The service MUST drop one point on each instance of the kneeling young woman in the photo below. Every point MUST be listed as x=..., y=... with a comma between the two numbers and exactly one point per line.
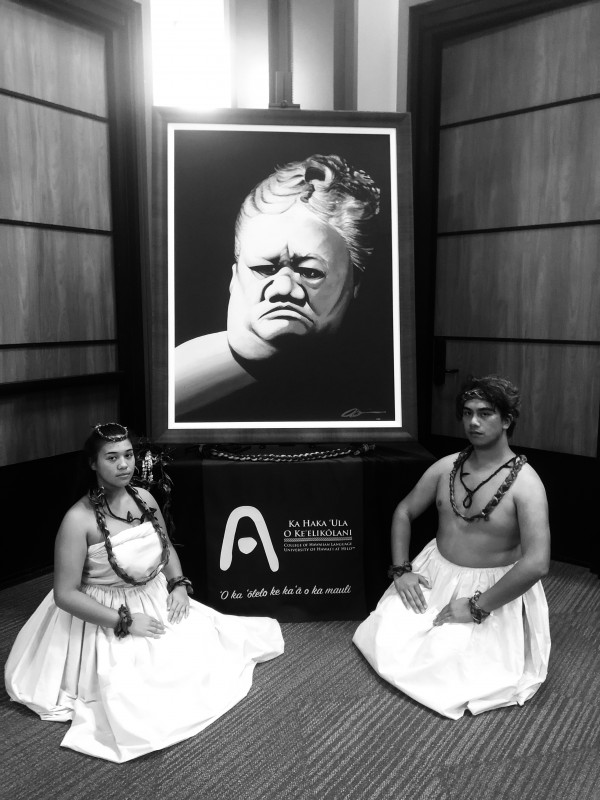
x=118, y=647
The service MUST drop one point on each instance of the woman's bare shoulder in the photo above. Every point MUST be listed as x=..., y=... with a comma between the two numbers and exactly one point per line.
x=145, y=495
x=78, y=518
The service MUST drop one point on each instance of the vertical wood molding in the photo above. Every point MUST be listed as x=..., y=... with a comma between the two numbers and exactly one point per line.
x=280, y=54
x=128, y=199
x=345, y=55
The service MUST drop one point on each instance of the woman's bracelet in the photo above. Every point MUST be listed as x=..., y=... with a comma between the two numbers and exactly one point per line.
x=477, y=613
x=399, y=569
x=124, y=623
x=180, y=581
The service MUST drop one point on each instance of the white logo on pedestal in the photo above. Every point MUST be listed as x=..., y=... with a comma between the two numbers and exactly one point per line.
x=247, y=543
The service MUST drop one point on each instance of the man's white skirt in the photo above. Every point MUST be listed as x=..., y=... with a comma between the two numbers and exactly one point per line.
x=460, y=666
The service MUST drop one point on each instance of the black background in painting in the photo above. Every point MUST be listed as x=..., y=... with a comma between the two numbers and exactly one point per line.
x=214, y=171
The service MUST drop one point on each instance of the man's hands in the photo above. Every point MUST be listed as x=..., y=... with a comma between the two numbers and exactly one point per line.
x=457, y=610
x=408, y=587
x=178, y=604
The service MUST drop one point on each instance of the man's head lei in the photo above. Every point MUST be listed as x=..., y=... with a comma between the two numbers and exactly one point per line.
x=473, y=394
x=499, y=392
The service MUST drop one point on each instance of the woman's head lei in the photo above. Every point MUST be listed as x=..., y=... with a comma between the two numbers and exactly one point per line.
x=118, y=436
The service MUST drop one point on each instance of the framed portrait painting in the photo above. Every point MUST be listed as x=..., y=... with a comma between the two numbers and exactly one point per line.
x=281, y=288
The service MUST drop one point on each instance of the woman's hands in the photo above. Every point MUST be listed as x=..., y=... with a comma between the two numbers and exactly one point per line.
x=408, y=587
x=144, y=625
x=178, y=604
x=178, y=607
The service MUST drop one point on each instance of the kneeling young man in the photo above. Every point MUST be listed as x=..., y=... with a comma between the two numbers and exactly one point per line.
x=465, y=625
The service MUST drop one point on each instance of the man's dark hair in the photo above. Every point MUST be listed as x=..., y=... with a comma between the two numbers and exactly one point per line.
x=499, y=392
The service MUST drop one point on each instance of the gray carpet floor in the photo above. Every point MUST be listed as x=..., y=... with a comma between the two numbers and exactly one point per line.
x=319, y=724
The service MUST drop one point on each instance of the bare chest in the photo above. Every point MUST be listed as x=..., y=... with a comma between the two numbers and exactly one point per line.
x=491, y=507
x=477, y=520
x=475, y=492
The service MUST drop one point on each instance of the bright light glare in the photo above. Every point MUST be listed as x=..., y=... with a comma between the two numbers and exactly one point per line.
x=190, y=54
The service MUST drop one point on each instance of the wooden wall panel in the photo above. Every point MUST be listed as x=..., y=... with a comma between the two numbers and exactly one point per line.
x=535, y=168
x=40, y=363
x=558, y=409
x=53, y=166
x=556, y=52
x=72, y=147
x=52, y=60
x=530, y=284
x=55, y=286
x=53, y=422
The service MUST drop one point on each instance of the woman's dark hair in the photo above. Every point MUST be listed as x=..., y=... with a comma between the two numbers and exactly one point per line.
x=101, y=435
x=499, y=392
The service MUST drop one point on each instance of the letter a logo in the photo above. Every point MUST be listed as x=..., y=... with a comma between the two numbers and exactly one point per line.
x=261, y=528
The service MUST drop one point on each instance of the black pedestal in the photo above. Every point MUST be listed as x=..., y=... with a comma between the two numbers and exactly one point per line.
x=342, y=510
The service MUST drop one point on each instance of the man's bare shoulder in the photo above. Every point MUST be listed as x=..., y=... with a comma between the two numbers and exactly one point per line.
x=443, y=465
x=437, y=471
x=528, y=483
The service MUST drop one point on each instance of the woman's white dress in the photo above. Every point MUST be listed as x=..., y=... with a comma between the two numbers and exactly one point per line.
x=130, y=696
x=456, y=667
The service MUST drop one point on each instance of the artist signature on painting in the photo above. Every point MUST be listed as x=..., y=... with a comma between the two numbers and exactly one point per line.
x=353, y=413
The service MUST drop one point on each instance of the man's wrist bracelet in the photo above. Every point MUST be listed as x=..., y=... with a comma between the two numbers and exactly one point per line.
x=399, y=569
x=180, y=581
x=124, y=623
x=477, y=613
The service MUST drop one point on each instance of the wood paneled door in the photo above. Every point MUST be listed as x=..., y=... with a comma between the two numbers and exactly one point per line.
x=71, y=332
x=517, y=288
x=65, y=241
x=505, y=98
